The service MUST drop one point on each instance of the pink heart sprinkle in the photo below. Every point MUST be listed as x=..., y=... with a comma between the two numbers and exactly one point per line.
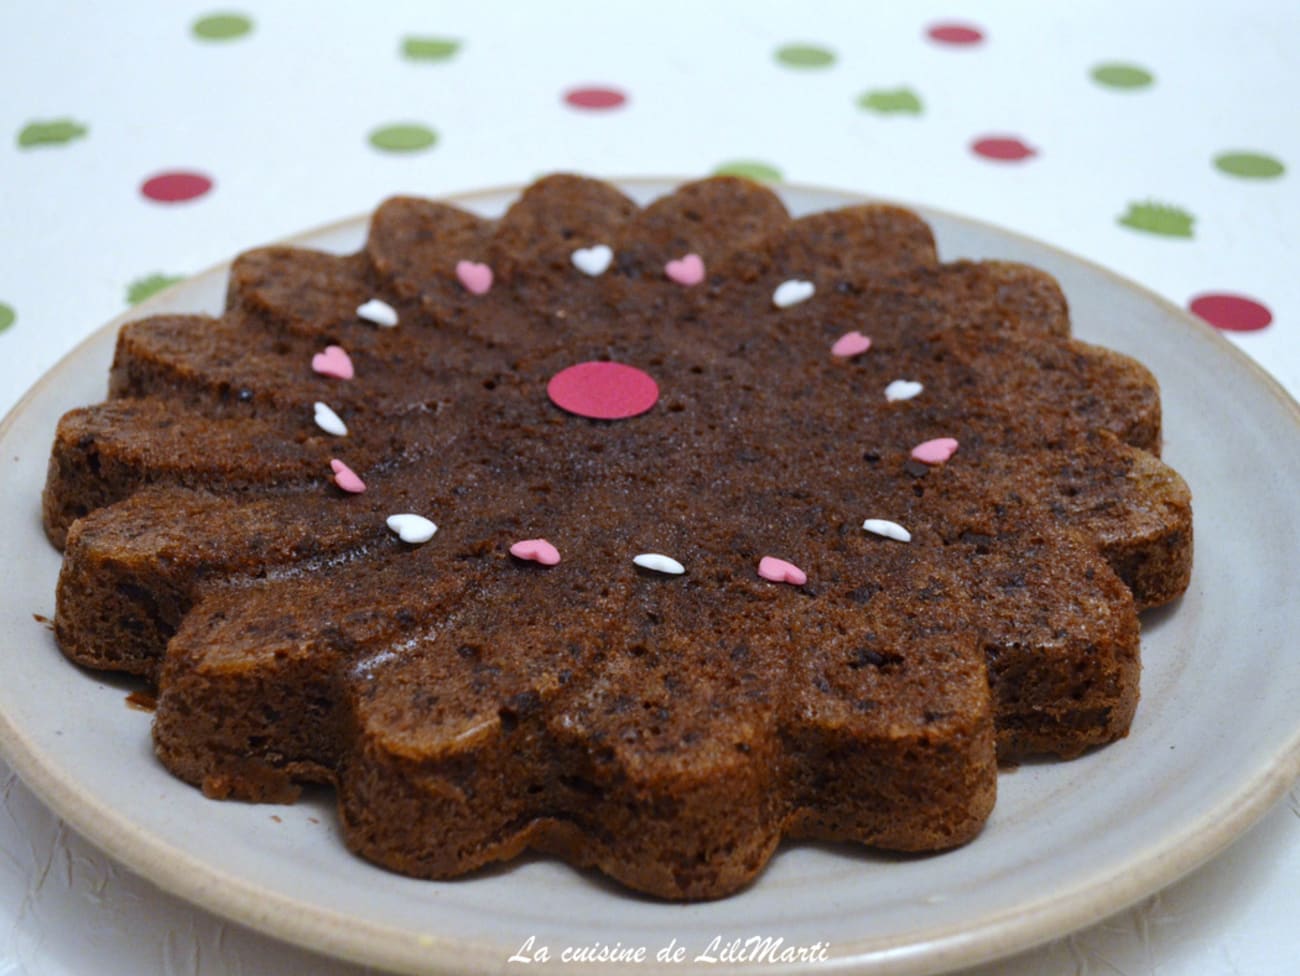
x=346, y=478
x=936, y=451
x=476, y=277
x=851, y=344
x=780, y=571
x=538, y=550
x=334, y=361
x=686, y=271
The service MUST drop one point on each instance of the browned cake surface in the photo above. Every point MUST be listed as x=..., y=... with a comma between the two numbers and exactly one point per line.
x=668, y=730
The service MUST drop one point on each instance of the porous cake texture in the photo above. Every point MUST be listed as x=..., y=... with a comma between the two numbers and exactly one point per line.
x=642, y=536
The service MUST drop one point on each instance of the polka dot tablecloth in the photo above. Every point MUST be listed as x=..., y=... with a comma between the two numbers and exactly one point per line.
x=149, y=140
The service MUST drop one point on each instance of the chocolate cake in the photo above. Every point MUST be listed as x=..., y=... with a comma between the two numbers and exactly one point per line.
x=645, y=537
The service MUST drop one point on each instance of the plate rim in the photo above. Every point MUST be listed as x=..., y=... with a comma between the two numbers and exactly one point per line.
x=317, y=928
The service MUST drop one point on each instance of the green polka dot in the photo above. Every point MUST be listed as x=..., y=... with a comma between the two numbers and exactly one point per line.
x=1158, y=218
x=223, y=26
x=142, y=288
x=750, y=169
x=7, y=316
x=895, y=101
x=1124, y=76
x=404, y=138
x=804, y=56
x=53, y=132
x=429, y=48
x=1249, y=165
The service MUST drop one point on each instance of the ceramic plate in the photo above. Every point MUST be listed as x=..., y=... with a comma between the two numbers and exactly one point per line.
x=1216, y=739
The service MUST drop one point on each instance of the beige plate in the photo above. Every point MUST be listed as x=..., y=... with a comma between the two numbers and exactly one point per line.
x=1216, y=740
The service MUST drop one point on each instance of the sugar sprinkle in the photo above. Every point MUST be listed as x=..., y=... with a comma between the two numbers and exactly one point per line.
x=411, y=528
x=378, y=312
x=888, y=529
x=536, y=550
x=936, y=451
x=792, y=292
x=688, y=270
x=475, y=277
x=346, y=478
x=333, y=361
x=659, y=563
x=851, y=344
x=780, y=571
x=902, y=390
x=328, y=421
x=593, y=261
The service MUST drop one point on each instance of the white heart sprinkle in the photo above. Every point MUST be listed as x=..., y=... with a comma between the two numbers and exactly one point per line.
x=890, y=530
x=792, y=292
x=593, y=260
x=659, y=563
x=328, y=421
x=902, y=390
x=381, y=313
x=412, y=528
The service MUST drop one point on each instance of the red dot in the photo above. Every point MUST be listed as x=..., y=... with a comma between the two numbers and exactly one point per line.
x=603, y=391
x=175, y=186
x=1233, y=313
x=957, y=34
x=1002, y=148
x=595, y=98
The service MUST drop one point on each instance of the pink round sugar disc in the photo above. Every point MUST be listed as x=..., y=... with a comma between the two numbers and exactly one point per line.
x=603, y=391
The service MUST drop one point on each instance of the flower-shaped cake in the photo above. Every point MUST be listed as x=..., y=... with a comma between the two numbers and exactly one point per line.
x=641, y=536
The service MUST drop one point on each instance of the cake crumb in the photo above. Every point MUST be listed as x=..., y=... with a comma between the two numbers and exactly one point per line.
x=141, y=701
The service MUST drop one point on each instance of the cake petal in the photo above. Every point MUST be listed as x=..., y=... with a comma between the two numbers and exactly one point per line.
x=295, y=290
x=131, y=573
x=742, y=215
x=410, y=239
x=104, y=453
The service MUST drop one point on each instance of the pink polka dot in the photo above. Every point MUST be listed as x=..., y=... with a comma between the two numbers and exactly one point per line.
x=176, y=186
x=959, y=35
x=595, y=98
x=1004, y=149
x=603, y=391
x=1232, y=313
